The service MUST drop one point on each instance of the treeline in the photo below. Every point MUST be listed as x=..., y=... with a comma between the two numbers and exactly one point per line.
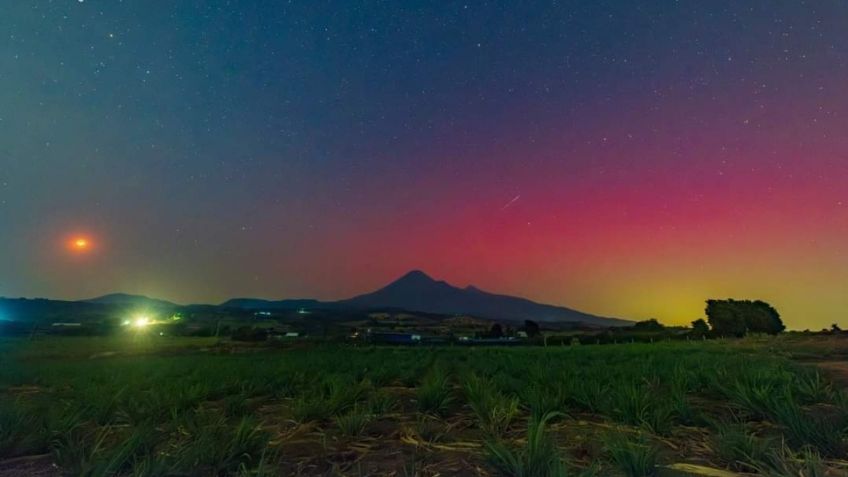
x=727, y=319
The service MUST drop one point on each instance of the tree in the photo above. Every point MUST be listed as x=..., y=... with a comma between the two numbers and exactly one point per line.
x=496, y=331
x=760, y=317
x=834, y=328
x=738, y=317
x=724, y=318
x=531, y=328
x=700, y=328
x=648, y=325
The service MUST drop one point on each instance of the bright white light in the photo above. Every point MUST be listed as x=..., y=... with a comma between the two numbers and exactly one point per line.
x=141, y=322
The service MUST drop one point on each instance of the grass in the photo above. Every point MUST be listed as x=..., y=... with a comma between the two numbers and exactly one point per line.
x=429, y=429
x=158, y=409
x=823, y=432
x=494, y=410
x=812, y=387
x=634, y=456
x=434, y=394
x=222, y=449
x=740, y=448
x=308, y=408
x=382, y=403
x=539, y=457
x=783, y=462
x=353, y=423
x=21, y=433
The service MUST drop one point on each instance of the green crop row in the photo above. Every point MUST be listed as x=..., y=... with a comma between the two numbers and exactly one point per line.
x=220, y=414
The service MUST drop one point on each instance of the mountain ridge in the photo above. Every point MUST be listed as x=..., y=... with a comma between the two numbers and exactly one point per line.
x=418, y=291
x=130, y=299
x=415, y=291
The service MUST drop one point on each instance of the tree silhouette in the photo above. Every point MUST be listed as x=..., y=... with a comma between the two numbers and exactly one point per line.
x=531, y=328
x=700, y=328
x=738, y=317
x=648, y=325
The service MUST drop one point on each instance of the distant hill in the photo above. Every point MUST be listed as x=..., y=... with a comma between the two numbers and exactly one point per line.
x=416, y=291
x=259, y=304
x=125, y=299
x=39, y=310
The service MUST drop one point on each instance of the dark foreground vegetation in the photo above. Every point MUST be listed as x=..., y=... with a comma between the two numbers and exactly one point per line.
x=149, y=405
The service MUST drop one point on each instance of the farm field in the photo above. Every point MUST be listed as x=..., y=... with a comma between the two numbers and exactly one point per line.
x=179, y=406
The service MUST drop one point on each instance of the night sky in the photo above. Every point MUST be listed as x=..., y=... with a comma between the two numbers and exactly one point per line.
x=624, y=158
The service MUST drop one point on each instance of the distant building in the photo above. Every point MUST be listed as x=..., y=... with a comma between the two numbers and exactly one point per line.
x=282, y=334
x=394, y=338
x=68, y=328
x=435, y=340
x=511, y=341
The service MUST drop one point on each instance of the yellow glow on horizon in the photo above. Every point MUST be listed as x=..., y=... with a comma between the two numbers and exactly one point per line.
x=805, y=288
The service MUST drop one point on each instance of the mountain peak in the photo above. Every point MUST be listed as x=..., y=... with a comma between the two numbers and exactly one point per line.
x=415, y=276
x=417, y=291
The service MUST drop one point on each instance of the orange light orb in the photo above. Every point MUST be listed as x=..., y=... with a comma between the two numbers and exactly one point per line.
x=80, y=244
